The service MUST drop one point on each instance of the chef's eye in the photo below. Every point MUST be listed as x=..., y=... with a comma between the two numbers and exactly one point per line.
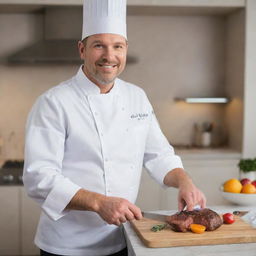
x=98, y=46
x=119, y=46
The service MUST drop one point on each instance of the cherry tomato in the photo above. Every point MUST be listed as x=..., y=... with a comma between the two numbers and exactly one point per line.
x=228, y=218
x=196, y=228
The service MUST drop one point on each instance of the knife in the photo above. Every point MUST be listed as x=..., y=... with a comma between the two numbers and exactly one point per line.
x=155, y=216
x=162, y=216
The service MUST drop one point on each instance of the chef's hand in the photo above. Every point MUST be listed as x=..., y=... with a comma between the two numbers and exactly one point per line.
x=116, y=210
x=189, y=195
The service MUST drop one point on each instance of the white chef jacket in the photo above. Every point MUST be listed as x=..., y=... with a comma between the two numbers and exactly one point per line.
x=76, y=138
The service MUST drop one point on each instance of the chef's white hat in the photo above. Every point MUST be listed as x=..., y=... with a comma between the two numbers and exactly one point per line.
x=104, y=16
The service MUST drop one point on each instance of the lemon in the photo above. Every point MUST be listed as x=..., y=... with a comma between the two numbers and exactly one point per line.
x=232, y=186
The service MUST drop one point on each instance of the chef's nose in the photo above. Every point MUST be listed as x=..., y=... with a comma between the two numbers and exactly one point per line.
x=109, y=54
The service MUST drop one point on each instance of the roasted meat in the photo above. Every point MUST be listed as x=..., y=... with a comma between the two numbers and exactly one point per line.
x=181, y=221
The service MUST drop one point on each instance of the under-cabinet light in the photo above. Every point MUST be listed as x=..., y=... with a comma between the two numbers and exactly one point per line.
x=204, y=100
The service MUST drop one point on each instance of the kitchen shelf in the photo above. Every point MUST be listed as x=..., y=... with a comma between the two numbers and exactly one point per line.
x=217, y=100
x=208, y=153
x=136, y=7
x=185, y=3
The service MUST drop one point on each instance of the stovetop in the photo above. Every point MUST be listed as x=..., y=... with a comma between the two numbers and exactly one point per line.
x=11, y=172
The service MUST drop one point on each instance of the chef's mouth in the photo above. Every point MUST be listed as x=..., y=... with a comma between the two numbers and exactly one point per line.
x=105, y=65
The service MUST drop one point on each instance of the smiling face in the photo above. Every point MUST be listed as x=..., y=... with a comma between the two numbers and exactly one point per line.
x=104, y=58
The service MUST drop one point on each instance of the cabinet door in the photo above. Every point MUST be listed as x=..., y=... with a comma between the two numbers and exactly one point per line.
x=30, y=213
x=9, y=221
x=208, y=175
x=149, y=193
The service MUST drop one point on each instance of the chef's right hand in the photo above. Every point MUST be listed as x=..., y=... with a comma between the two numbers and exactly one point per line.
x=116, y=210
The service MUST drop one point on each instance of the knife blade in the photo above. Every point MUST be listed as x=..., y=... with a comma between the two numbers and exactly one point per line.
x=155, y=216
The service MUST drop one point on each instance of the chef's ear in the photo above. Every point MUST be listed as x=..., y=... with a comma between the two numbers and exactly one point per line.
x=81, y=49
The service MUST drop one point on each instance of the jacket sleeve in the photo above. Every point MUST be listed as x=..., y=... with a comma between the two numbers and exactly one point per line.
x=159, y=157
x=44, y=150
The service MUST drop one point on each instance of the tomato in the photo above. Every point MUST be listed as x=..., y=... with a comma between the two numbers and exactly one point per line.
x=228, y=218
x=196, y=228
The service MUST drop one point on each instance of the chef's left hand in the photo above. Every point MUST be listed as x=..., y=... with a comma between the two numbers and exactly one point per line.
x=189, y=195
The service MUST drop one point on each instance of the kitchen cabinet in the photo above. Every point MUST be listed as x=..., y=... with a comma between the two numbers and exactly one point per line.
x=207, y=169
x=30, y=212
x=19, y=216
x=9, y=221
x=208, y=175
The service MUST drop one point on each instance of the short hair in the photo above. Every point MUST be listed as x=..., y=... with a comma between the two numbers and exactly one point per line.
x=84, y=41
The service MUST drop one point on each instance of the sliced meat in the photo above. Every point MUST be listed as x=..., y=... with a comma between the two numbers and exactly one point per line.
x=181, y=221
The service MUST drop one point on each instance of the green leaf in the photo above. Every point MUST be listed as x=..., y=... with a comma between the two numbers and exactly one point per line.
x=158, y=227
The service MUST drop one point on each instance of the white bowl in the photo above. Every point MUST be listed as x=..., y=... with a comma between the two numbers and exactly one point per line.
x=239, y=198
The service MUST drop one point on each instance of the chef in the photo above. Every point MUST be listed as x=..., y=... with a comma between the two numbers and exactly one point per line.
x=87, y=140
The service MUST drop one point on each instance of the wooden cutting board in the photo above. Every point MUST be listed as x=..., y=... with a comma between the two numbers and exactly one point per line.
x=238, y=232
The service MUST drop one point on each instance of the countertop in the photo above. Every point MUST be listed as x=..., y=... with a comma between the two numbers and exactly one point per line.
x=136, y=247
x=207, y=153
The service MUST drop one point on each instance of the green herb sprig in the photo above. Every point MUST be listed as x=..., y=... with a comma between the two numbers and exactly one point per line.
x=158, y=227
x=247, y=165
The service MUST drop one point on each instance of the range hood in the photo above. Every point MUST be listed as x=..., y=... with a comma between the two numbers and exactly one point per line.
x=48, y=51
x=62, y=28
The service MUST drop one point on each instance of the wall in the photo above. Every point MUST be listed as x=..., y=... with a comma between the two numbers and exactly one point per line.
x=178, y=56
x=235, y=45
x=249, y=138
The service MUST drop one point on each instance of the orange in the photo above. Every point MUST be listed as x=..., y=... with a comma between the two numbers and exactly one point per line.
x=248, y=189
x=232, y=186
x=197, y=228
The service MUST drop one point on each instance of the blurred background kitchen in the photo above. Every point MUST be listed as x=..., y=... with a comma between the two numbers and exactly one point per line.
x=178, y=50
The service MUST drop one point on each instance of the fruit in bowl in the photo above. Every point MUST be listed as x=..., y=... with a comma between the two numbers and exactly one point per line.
x=248, y=189
x=232, y=186
x=254, y=183
x=245, y=181
x=234, y=191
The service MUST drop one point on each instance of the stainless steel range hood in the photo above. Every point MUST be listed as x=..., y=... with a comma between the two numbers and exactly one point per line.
x=48, y=51
x=62, y=28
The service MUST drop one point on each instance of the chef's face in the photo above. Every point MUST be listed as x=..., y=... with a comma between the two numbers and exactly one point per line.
x=104, y=57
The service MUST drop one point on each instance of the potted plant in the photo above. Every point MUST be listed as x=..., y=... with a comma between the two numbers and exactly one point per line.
x=247, y=168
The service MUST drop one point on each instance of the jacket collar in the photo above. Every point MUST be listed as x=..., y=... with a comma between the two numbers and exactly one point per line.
x=91, y=88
